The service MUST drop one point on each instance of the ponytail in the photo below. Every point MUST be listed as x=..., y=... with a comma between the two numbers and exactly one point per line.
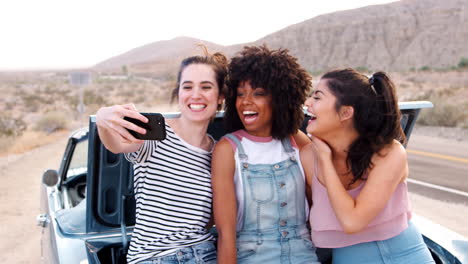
x=387, y=105
x=376, y=114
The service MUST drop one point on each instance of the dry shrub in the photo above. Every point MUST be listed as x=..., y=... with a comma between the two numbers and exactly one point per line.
x=463, y=63
x=444, y=113
x=11, y=126
x=91, y=97
x=28, y=141
x=51, y=122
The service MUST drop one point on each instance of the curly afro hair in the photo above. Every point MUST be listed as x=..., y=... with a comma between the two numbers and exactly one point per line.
x=280, y=75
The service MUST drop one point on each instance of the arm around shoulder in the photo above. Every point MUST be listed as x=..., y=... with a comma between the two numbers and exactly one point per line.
x=301, y=139
x=308, y=164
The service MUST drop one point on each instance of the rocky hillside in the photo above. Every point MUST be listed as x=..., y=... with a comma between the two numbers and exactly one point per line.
x=404, y=35
x=400, y=36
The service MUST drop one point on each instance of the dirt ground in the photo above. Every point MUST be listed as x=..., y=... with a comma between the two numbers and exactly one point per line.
x=20, y=180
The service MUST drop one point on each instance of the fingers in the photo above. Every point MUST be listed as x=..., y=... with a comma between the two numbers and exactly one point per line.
x=130, y=110
x=320, y=145
x=317, y=140
x=123, y=133
x=322, y=149
x=129, y=125
x=112, y=118
x=129, y=107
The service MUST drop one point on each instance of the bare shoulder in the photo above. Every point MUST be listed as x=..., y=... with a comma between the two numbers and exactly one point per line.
x=223, y=147
x=393, y=153
x=222, y=162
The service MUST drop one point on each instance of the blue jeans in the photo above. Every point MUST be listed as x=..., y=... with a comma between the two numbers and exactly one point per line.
x=408, y=247
x=203, y=253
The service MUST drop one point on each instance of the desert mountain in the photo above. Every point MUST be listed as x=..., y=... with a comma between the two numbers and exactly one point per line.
x=161, y=56
x=403, y=35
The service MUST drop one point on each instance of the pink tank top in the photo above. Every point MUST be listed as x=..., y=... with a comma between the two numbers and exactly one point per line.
x=328, y=233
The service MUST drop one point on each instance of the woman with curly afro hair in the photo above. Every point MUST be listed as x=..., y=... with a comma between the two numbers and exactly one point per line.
x=259, y=188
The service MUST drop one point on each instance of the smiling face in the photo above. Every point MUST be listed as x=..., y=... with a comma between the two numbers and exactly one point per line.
x=254, y=109
x=198, y=95
x=321, y=107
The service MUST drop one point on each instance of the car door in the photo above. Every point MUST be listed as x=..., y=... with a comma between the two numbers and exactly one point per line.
x=50, y=202
x=61, y=191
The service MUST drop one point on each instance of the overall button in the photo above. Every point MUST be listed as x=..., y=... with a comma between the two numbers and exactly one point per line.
x=284, y=233
x=283, y=204
x=246, y=165
x=283, y=222
x=276, y=166
x=180, y=253
x=282, y=184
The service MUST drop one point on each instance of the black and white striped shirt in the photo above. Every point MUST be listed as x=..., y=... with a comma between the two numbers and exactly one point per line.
x=172, y=183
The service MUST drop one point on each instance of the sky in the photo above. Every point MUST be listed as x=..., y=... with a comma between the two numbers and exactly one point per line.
x=59, y=34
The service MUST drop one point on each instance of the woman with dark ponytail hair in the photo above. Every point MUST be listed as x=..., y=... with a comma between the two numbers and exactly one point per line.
x=358, y=168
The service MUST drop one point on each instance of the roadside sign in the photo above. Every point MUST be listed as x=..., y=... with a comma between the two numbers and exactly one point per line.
x=80, y=78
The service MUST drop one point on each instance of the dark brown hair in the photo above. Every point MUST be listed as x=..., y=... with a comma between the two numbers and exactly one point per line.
x=218, y=63
x=376, y=114
x=280, y=75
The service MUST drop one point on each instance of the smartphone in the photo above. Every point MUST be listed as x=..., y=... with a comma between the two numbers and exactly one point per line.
x=155, y=128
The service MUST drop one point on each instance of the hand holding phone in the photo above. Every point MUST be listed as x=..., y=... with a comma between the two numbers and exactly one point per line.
x=155, y=128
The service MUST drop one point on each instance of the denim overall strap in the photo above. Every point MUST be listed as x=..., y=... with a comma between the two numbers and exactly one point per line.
x=242, y=156
x=286, y=142
x=243, y=159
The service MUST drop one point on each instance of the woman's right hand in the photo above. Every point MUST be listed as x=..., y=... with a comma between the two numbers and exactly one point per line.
x=322, y=149
x=111, y=119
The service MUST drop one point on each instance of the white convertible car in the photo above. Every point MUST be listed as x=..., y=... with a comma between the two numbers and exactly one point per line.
x=88, y=207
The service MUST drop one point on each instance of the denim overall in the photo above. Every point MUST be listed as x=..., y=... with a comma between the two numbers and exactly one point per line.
x=275, y=228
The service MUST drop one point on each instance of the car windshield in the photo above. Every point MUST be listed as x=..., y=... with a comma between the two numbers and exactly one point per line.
x=79, y=160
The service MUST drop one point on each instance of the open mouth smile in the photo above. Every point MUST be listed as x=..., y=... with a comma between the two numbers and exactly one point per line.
x=312, y=116
x=250, y=116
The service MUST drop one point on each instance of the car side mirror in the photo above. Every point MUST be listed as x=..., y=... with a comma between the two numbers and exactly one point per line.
x=50, y=177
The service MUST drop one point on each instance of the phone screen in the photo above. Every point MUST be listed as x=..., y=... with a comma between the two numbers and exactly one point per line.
x=155, y=128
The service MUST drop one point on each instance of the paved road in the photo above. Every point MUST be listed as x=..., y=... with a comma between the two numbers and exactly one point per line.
x=440, y=162
x=443, y=163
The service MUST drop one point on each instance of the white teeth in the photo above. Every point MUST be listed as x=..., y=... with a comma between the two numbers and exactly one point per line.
x=311, y=115
x=197, y=106
x=249, y=113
